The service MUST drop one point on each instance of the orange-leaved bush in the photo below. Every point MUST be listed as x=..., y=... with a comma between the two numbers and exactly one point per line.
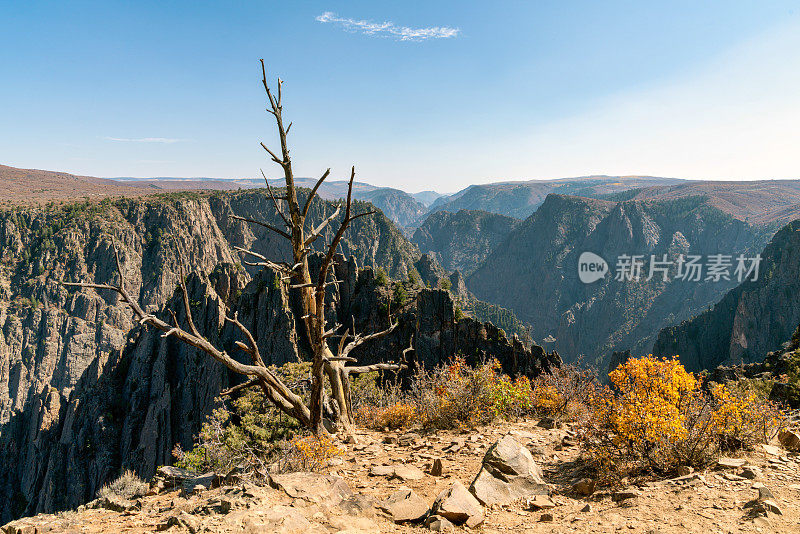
x=656, y=416
x=397, y=415
x=457, y=394
x=314, y=452
x=743, y=417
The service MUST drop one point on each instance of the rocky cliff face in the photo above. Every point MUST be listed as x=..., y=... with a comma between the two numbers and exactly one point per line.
x=52, y=341
x=750, y=320
x=49, y=335
x=461, y=241
x=781, y=367
x=86, y=392
x=534, y=272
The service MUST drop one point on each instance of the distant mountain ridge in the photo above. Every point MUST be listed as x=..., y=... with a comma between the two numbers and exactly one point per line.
x=521, y=199
x=757, y=202
x=534, y=271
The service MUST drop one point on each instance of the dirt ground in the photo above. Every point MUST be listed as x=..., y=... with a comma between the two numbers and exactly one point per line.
x=707, y=502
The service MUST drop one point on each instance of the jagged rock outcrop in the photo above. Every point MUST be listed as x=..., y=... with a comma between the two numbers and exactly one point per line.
x=439, y=335
x=782, y=367
x=751, y=320
x=59, y=346
x=431, y=273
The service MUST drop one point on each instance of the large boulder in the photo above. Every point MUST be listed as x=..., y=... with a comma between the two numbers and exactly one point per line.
x=456, y=504
x=405, y=505
x=790, y=439
x=508, y=473
x=313, y=487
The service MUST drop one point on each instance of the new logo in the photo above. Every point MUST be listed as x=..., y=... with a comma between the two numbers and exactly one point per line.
x=591, y=267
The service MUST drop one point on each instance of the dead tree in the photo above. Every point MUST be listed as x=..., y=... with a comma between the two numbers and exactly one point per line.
x=298, y=275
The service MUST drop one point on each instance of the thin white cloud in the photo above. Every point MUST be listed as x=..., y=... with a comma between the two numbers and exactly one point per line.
x=162, y=140
x=389, y=29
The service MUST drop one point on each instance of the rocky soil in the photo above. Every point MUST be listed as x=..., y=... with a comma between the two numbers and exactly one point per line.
x=528, y=477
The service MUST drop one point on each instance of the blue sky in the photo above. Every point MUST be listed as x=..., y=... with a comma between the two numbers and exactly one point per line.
x=497, y=91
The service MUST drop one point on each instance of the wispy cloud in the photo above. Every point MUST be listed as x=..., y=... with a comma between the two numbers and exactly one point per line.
x=389, y=29
x=162, y=140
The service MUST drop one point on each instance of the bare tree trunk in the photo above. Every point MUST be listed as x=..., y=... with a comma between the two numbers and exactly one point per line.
x=298, y=276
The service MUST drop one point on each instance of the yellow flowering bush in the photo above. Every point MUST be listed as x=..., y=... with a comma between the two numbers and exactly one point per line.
x=656, y=416
x=651, y=396
x=314, y=452
x=743, y=417
x=547, y=399
x=398, y=415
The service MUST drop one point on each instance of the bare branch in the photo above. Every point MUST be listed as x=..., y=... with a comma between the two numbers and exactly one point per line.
x=375, y=367
x=402, y=364
x=360, y=340
x=271, y=153
x=342, y=342
x=341, y=359
x=253, y=348
x=186, y=303
x=244, y=385
x=265, y=225
x=314, y=190
x=370, y=212
x=315, y=233
x=323, y=271
x=312, y=284
x=91, y=286
x=266, y=87
x=119, y=265
x=285, y=268
x=244, y=347
x=170, y=332
x=275, y=201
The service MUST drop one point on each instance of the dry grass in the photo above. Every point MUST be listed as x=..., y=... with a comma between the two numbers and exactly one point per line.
x=127, y=486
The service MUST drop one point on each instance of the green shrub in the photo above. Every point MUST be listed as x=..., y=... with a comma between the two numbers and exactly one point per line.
x=399, y=296
x=380, y=277
x=247, y=431
x=247, y=435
